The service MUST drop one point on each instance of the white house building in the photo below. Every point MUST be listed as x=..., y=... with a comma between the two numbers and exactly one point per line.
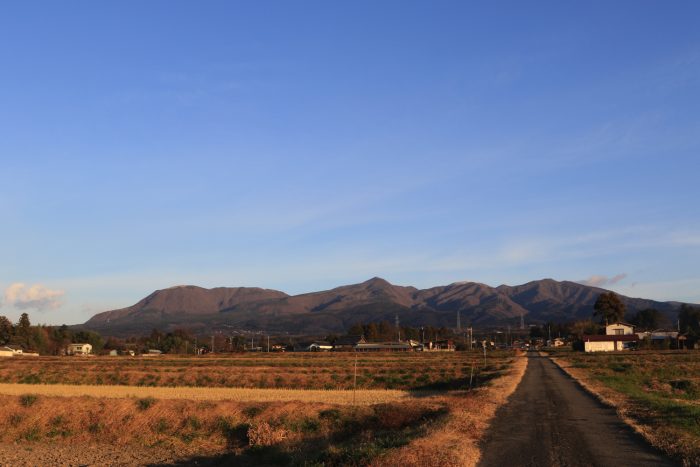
x=79, y=349
x=618, y=336
x=619, y=329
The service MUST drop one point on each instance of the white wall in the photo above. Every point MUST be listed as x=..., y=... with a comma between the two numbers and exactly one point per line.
x=607, y=346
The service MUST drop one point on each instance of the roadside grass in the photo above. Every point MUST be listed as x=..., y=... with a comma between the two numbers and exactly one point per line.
x=657, y=389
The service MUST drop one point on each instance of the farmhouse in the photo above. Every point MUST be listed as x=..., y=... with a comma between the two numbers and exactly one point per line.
x=312, y=346
x=556, y=342
x=445, y=345
x=14, y=349
x=320, y=346
x=79, y=349
x=348, y=343
x=619, y=329
x=618, y=336
x=6, y=352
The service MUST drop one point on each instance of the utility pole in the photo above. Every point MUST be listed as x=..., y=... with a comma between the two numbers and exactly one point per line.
x=354, y=381
x=398, y=328
x=522, y=321
x=212, y=343
x=459, y=325
x=268, y=344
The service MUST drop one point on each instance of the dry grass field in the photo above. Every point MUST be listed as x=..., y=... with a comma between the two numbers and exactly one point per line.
x=254, y=370
x=658, y=392
x=432, y=410
x=329, y=396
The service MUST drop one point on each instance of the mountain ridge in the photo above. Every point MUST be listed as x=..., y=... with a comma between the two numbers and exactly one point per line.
x=334, y=310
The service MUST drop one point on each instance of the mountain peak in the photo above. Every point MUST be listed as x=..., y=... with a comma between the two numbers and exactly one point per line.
x=377, y=282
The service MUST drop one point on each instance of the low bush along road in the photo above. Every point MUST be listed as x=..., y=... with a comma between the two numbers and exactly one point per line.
x=551, y=421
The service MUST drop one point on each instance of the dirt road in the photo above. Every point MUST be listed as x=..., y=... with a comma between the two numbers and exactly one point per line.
x=551, y=421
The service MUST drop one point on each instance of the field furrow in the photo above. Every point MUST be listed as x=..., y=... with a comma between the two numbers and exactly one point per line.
x=331, y=396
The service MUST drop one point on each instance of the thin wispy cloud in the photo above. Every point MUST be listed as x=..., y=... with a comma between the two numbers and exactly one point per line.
x=603, y=281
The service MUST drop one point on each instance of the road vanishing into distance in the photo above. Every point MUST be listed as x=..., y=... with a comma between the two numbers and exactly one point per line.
x=551, y=421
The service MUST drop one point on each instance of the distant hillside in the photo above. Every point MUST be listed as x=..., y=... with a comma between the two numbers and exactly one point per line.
x=255, y=309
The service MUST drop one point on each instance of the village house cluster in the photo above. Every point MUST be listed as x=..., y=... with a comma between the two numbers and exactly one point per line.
x=621, y=336
x=359, y=344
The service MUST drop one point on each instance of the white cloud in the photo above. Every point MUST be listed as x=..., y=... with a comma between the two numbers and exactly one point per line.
x=603, y=281
x=35, y=297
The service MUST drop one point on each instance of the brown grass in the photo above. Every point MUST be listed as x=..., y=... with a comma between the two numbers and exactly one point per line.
x=306, y=370
x=454, y=442
x=262, y=426
x=342, y=397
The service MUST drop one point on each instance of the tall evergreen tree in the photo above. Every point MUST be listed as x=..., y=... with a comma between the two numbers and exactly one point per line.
x=5, y=330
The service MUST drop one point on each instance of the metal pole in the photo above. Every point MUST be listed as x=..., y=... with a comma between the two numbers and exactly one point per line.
x=471, y=376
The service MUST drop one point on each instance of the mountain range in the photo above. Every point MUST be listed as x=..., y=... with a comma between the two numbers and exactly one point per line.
x=246, y=309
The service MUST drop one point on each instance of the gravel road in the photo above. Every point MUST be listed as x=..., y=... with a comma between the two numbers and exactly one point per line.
x=551, y=421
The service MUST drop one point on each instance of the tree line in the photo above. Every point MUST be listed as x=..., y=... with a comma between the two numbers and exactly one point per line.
x=47, y=340
x=384, y=331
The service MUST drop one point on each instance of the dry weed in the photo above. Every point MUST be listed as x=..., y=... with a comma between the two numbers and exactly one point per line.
x=264, y=434
x=454, y=441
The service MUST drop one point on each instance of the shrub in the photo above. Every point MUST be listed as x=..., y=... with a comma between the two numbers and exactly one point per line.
x=95, y=427
x=686, y=386
x=27, y=400
x=252, y=411
x=161, y=426
x=310, y=425
x=193, y=422
x=329, y=414
x=15, y=419
x=145, y=403
x=58, y=427
x=31, y=434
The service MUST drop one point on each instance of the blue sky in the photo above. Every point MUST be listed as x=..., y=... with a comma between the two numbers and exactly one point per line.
x=305, y=145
